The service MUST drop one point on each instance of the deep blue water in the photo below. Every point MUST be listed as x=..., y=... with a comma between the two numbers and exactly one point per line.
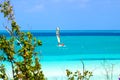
x=72, y=32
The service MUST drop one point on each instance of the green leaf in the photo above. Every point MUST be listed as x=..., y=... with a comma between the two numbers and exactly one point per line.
x=39, y=43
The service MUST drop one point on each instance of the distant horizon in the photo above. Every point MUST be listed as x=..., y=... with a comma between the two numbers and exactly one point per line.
x=70, y=32
x=63, y=30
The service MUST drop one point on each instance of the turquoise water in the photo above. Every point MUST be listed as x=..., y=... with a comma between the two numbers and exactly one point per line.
x=90, y=46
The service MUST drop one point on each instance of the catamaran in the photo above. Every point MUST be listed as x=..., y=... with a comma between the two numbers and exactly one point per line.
x=58, y=36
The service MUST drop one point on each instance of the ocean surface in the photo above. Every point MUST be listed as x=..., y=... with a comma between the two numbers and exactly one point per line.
x=93, y=47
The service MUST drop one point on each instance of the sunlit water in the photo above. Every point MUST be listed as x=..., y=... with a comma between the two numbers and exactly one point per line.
x=92, y=47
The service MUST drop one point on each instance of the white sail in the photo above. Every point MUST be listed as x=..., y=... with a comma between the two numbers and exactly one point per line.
x=58, y=34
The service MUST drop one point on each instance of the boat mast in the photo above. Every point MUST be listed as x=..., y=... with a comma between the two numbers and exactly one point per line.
x=58, y=34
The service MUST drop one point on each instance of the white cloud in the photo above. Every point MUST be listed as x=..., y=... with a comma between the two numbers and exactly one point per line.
x=56, y=1
x=80, y=3
x=83, y=3
x=31, y=6
x=36, y=8
x=39, y=7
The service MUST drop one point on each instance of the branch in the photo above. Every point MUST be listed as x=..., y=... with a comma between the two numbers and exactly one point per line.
x=11, y=33
x=83, y=66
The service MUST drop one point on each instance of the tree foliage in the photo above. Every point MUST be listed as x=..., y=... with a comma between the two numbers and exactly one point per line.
x=83, y=75
x=78, y=75
x=19, y=44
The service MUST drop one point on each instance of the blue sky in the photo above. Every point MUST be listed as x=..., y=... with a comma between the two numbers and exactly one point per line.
x=67, y=14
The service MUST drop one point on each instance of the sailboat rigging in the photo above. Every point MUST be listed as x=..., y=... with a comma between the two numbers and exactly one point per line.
x=58, y=36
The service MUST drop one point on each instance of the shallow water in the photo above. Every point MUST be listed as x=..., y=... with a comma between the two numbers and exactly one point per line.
x=93, y=47
x=81, y=47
